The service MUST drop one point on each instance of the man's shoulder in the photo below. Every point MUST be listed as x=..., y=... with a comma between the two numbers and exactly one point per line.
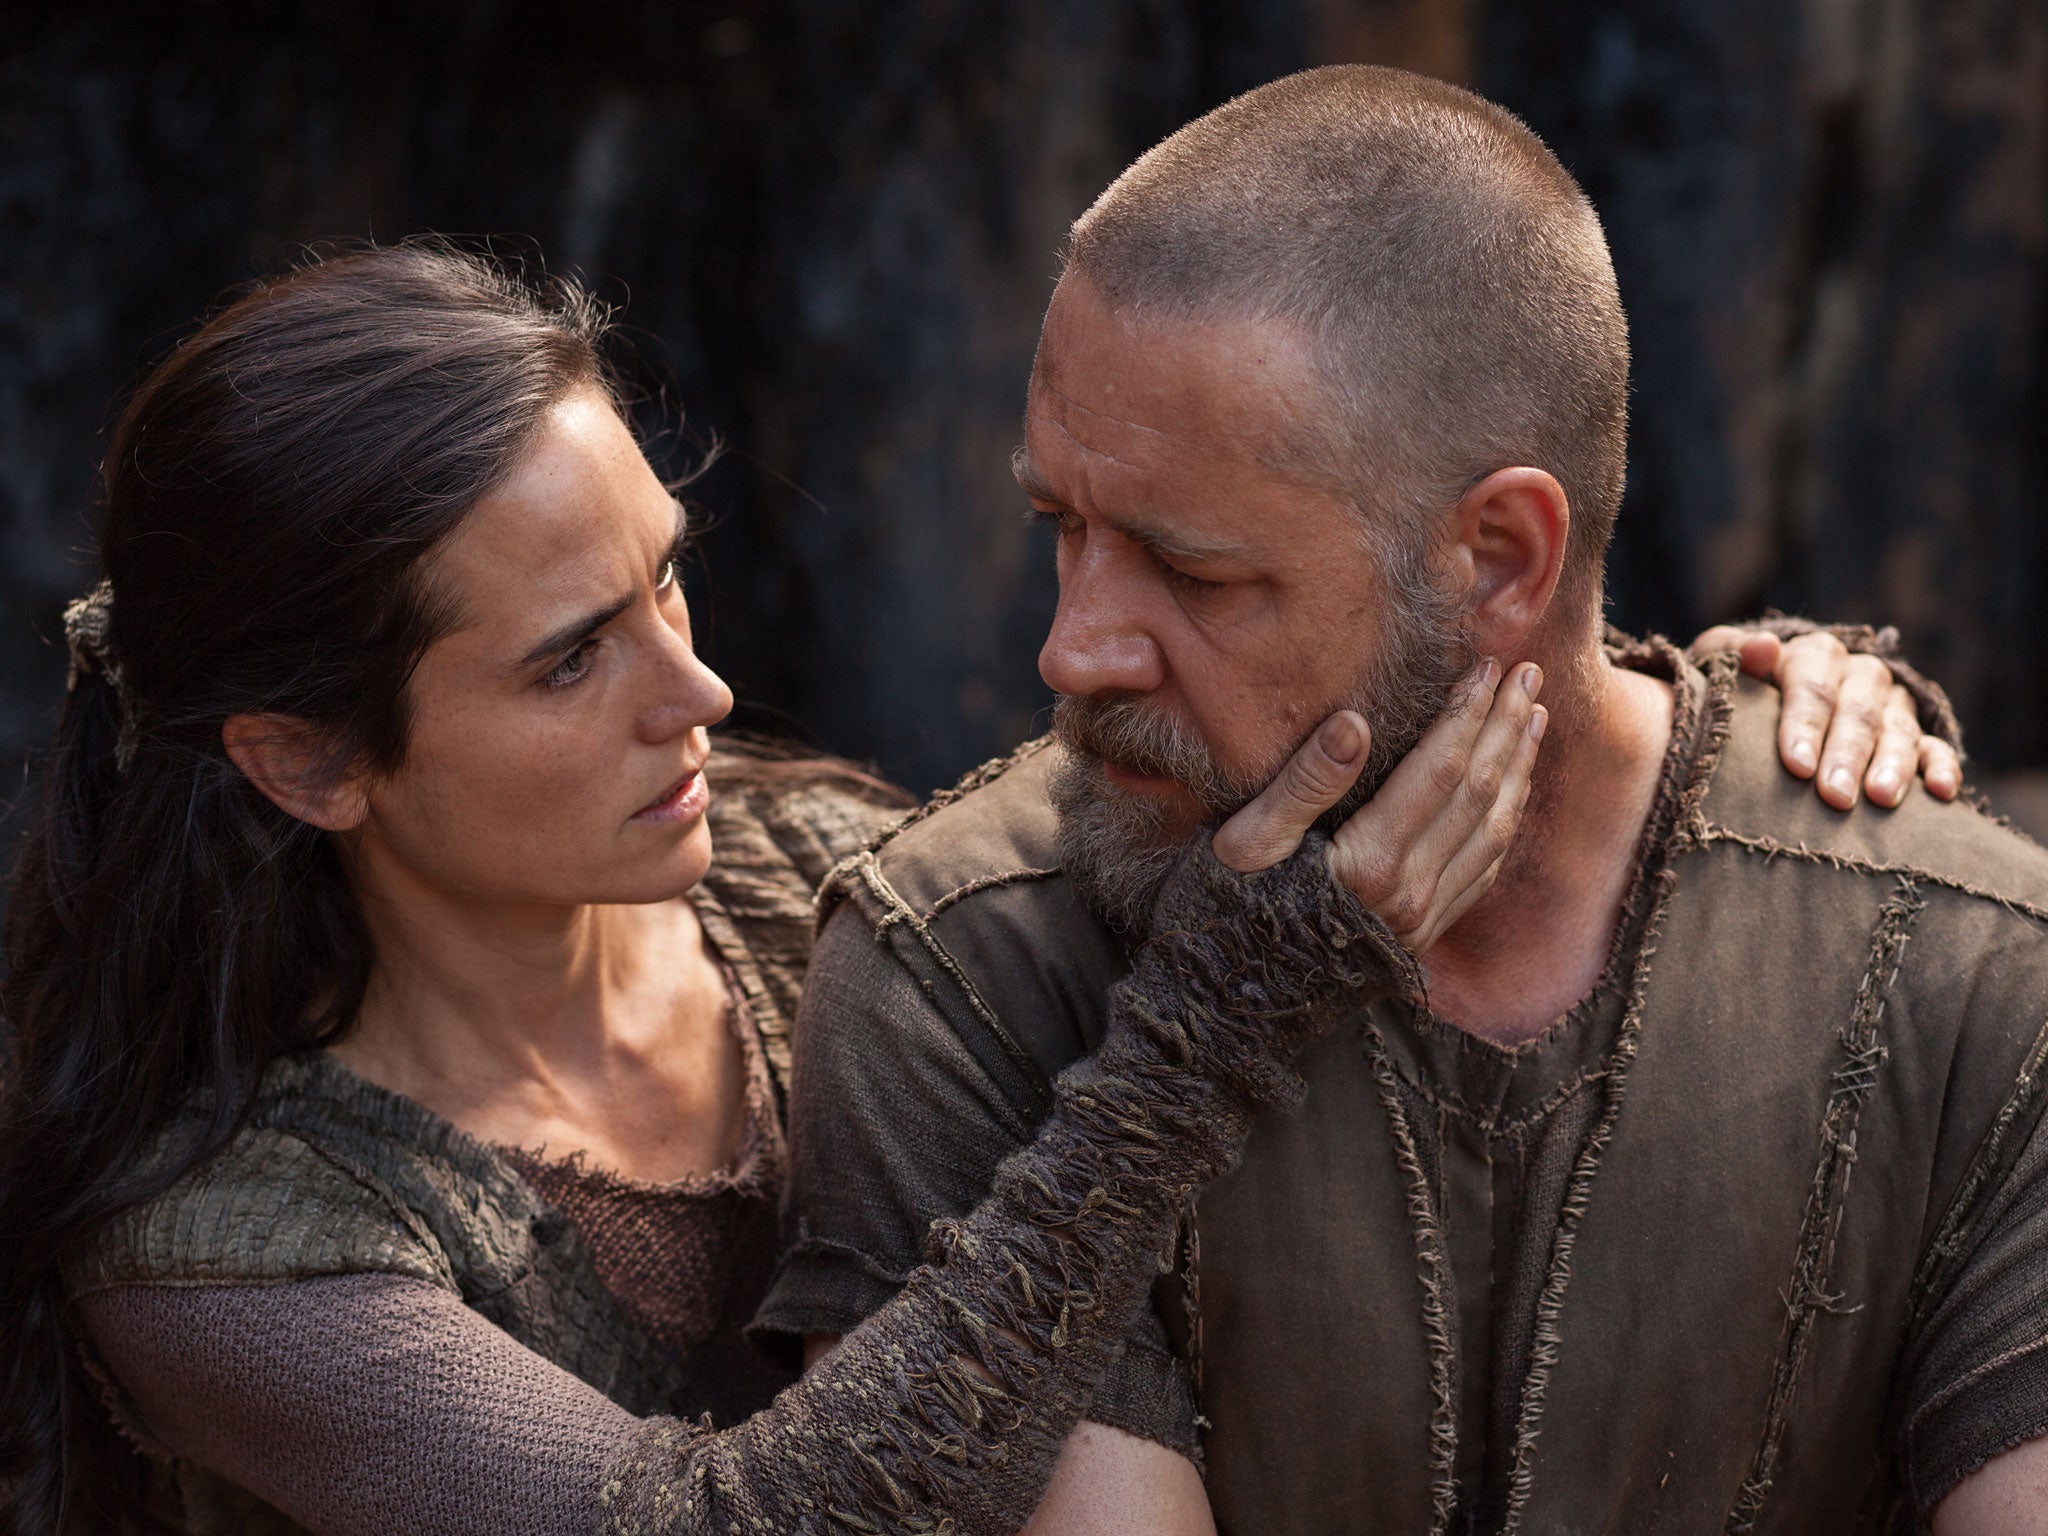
x=970, y=895
x=1751, y=801
x=997, y=821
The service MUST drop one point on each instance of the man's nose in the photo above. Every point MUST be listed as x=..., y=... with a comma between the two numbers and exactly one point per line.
x=1099, y=642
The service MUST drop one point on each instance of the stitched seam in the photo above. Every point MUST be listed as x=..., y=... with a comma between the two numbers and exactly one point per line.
x=898, y=912
x=1434, y=1273
x=1772, y=848
x=988, y=883
x=1807, y=1297
x=1498, y=1125
x=1191, y=1304
x=1546, y=1337
x=834, y=886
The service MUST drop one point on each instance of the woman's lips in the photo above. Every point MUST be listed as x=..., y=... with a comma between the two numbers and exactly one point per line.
x=683, y=801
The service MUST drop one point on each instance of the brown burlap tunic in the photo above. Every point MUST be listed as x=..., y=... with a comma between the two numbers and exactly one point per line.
x=1755, y=1238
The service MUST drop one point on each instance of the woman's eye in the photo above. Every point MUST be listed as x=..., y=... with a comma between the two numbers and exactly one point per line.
x=571, y=668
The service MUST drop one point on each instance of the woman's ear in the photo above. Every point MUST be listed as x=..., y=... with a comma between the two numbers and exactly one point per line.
x=287, y=759
x=1507, y=542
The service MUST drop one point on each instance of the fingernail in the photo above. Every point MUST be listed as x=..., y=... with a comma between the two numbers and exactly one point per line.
x=1539, y=723
x=1489, y=672
x=1840, y=781
x=1884, y=781
x=1532, y=680
x=1802, y=754
x=1340, y=740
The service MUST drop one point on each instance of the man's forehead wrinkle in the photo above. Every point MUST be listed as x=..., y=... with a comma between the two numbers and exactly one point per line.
x=1123, y=421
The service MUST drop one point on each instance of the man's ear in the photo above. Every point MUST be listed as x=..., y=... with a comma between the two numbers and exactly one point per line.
x=1506, y=542
x=288, y=760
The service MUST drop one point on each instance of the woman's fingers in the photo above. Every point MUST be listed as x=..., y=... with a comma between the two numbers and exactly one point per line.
x=1864, y=689
x=1758, y=649
x=1896, y=758
x=1941, y=768
x=1322, y=769
x=1411, y=853
x=1477, y=864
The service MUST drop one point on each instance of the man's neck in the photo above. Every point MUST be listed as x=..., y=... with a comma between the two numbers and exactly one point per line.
x=1538, y=941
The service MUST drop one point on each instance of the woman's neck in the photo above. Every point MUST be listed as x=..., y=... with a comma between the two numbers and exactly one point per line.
x=592, y=1028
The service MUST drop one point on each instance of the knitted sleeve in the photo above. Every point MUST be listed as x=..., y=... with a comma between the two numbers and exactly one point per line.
x=358, y=1404
x=371, y=1403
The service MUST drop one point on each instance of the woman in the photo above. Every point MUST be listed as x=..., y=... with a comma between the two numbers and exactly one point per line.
x=393, y=1132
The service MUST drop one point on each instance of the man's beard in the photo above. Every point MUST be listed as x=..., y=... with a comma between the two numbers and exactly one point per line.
x=1118, y=846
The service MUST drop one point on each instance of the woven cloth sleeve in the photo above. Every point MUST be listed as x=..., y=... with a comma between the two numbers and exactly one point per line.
x=1979, y=1384
x=360, y=1403
x=268, y=1208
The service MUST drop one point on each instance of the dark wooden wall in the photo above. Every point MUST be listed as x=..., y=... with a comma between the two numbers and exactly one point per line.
x=833, y=227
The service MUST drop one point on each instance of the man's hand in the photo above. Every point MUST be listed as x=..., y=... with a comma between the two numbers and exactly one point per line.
x=1430, y=843
x=1844, y=717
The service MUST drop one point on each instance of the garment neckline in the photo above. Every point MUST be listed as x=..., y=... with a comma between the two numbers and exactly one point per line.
x=1569, y=1049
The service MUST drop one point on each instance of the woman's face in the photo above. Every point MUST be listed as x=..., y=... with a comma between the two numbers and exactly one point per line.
x=558, y=730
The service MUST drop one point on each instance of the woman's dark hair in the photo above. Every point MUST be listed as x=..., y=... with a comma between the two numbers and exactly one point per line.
x=269, y=493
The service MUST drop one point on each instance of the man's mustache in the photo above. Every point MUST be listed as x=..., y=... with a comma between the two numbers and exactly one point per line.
x=1127, y=733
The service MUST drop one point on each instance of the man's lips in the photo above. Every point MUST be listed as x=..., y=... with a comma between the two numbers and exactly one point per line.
x=682, y=801
x=1126, y=777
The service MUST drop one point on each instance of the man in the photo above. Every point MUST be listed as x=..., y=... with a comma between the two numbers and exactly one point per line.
x=1704, y=1189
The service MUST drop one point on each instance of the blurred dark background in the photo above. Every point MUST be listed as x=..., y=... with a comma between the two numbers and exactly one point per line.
x=833, y=227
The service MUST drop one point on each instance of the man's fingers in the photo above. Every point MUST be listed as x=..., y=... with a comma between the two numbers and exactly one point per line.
x=1322, y=769
x=1866, y=688
x=1897, y=757
x=1940, y=768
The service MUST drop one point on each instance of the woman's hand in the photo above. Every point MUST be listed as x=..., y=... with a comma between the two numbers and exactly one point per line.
x=1430, y=843
x=1845, y=718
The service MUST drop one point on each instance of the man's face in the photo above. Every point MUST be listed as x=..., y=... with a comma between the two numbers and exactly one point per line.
x=1215, y=605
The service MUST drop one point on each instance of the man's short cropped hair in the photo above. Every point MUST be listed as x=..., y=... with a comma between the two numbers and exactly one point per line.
x=1450, y=275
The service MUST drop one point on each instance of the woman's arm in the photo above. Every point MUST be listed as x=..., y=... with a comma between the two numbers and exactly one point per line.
x=361, y=1404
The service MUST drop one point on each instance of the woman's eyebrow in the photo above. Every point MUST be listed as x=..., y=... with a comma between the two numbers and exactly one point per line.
x=567, y=637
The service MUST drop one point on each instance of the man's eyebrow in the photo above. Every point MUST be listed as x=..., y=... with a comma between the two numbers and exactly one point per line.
x=1159, y=542
x=566, y=637
x=1029, y=480
x=1154, y=540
